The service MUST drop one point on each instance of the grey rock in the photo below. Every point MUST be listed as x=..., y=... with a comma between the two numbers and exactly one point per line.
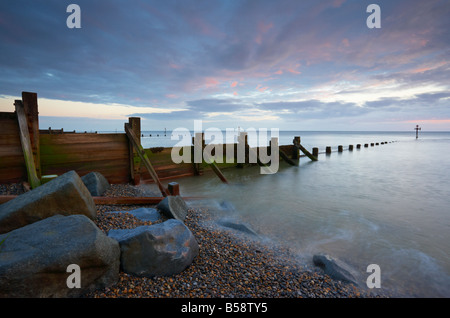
x=162, y=249
x=173, y=207
x=236, y=225
x=143, y=214
x=65, y=195
x=34, y=258
x=96, y=183
x=335, y=268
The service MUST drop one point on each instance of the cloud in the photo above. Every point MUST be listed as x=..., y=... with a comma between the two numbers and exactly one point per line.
x=193, y=58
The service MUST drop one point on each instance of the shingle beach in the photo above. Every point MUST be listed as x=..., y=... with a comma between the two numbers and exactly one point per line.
x=229, y=264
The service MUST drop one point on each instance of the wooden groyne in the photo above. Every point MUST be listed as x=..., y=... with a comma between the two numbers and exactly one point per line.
x=31, y=155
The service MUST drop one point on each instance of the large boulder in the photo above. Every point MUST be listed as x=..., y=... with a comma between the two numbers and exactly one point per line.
x=96, y=183
x=173, y=207
x=156, y=250
x=34, y=259
x=65, y=195
x=336, y=269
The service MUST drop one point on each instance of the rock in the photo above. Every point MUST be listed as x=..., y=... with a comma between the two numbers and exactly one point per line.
x=34, y=258
x=335, y=268
x=227, y=206
x=96, y=183
x=143, y=214
x=236, y=225
x=173, y=207
x=65, y=195
x=156, y=250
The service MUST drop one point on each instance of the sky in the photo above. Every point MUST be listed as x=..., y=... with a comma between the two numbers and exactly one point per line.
x=283, y=64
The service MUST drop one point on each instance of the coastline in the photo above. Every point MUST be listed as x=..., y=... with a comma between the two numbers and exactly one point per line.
x=229, y=264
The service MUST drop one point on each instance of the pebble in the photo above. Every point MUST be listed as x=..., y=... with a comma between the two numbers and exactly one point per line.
x=228, y=265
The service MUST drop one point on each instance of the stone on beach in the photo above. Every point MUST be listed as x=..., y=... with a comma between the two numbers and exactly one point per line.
x=65, y=195
x=335, y=268
x=96, y=183
x=34, y=258
x=143, y=214
x=235, y=224
x=173, y=207
x=156, y=250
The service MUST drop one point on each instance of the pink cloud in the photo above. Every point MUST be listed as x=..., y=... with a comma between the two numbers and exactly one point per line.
x=175, y=66
x=211, y=82
x=261, y=89
x=338, y=3
x=234, y=84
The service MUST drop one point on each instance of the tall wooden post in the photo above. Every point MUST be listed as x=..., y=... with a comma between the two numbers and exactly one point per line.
x=295, y=149
x=26, y=145
x=197, y=141
x=328, y=150
x=135, y=161
x=30, y=107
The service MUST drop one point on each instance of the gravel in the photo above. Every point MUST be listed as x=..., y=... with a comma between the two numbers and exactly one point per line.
x=228, y=265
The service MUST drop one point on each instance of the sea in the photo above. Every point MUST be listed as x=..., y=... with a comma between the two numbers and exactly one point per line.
x=387, y=204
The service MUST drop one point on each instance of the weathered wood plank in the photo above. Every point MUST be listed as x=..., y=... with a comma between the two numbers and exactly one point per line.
x=26, y=145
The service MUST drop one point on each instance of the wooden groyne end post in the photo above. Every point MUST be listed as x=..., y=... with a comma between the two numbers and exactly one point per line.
x=417, y=131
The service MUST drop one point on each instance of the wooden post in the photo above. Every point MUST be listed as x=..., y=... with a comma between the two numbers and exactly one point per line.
x=372, y=144
x=30, y=107
x=299, y=146
x=200, y=140
x=26, y=145
x=340, y=148
x=239, y=149
x=295, y=149
x=174, y=188
x=366, y=145
x=141, y=152
x=328, y=150
x=135, y=162
x=358, y=146
x=350, y=147
x=315, y=152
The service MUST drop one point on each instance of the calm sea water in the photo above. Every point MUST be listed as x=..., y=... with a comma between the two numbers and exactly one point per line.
x=387, y=205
